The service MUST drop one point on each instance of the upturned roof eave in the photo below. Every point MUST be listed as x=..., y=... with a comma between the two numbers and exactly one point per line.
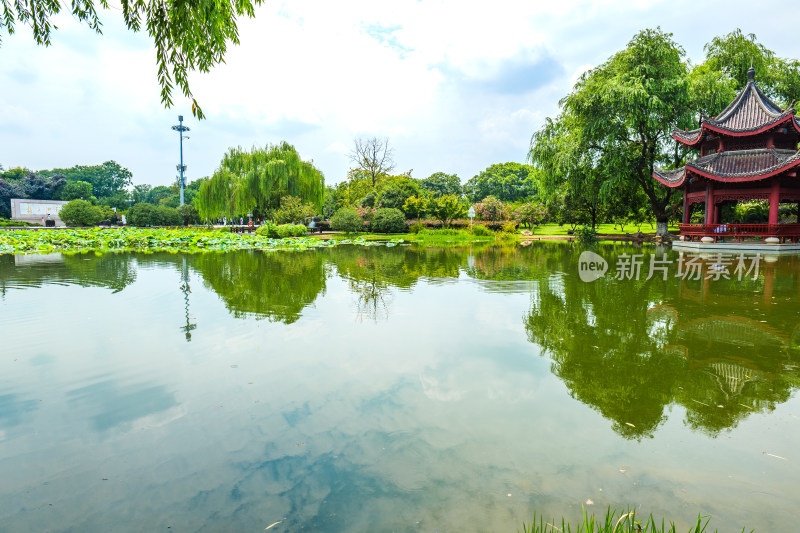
x=689, y=168
x=706, y=127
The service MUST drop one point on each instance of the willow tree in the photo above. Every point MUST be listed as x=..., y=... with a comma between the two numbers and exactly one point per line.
x=620, y=117
x=254, y=182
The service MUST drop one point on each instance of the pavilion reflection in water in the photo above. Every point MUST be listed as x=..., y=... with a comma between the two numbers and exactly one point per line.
x=742, y=336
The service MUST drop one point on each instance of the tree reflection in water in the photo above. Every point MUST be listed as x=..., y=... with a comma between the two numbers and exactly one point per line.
x=721, y=349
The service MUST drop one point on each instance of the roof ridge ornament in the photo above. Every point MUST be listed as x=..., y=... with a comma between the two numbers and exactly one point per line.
x=751, y=74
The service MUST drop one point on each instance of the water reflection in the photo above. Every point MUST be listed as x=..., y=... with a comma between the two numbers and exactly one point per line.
x=721, y=349
x=109, y=404
x=114, y=271
x=275, y=286
x=468, y=383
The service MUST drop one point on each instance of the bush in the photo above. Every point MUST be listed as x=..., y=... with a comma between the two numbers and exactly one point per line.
x=168, y=216
x=389, y=220
x=290, y=230
x=189, y=214
x=267, y=229
x=490, y=208
x=510, y=227
x=292, y=209
x=142, y=215
x=481, y=231
x=80, y=213
x=346, y=219
x=416, y=227
x=586, y=235
x=530, y=213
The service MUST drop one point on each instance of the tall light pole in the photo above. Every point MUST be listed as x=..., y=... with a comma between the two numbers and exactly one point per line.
x=181, y=128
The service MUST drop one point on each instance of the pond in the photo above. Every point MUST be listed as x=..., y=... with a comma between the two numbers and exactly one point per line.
x=395, y=389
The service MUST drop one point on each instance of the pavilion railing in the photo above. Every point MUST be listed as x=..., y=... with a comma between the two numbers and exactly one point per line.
x=785, y=232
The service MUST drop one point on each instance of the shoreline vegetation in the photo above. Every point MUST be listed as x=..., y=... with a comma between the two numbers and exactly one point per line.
x=613, y=522
x=200, y=239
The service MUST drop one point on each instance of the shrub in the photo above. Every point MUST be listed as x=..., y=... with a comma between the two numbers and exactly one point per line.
x=388, y=220
x=80, y=213
x=168, y=216
x=416, y=227
x=481, y=231
x=142, y=215
x=267, y=229
x=292, y=209
x=366, y=212
x=189, y=214
x=530, y=213
x=510, y=227
x=586, y=235
x=290, y=230
x=490, y=208
x=346, y=219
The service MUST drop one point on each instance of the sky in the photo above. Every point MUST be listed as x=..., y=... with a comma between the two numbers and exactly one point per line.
x=455, y=86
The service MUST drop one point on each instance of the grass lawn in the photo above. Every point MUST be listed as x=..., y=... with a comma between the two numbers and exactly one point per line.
x=605, y=229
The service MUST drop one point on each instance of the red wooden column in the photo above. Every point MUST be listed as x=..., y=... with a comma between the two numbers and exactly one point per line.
x=774, y=200
x=709, y=203
x=686, y=206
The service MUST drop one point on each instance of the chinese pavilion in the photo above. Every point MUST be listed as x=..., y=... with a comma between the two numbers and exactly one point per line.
x=749, y=151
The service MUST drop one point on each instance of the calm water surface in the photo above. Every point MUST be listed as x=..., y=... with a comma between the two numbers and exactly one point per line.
x=391, y=389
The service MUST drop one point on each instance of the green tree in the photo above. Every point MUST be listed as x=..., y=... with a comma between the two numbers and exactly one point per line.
x=189, y=214
x=414, y=207
x=106, y=179
x=446, y=208
x=255, y=181
x=141, y=194
x=187, y=36
x=292, y=209
x=569, y=171
x=397, y=190
x=510, y=182
x=728, y=59
x=440, y=184
x=77, y=190
x=81, y=213
x=621, y=116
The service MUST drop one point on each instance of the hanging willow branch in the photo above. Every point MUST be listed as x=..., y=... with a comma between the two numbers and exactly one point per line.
x=254, y=182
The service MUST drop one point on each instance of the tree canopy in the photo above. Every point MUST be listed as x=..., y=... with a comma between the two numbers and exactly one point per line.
x=510, y=182
x=255, y=181
x=106, y=179
x=187, y=35
x=440, y=184
x=616, y=124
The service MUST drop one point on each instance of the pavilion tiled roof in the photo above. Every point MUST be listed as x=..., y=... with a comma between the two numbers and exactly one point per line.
x=740, y=165
x=750, y=112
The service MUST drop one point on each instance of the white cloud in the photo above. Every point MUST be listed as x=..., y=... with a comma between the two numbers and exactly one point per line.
x=456, y=87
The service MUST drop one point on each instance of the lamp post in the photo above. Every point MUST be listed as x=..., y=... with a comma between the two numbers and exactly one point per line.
x=181, y=128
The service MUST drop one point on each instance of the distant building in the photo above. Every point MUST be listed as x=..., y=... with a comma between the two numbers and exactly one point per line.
x=36, y=211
